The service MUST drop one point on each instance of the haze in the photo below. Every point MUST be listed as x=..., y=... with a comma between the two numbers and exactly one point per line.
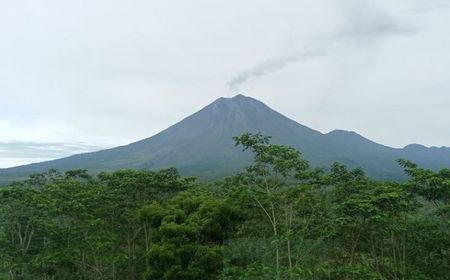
x=78, y=76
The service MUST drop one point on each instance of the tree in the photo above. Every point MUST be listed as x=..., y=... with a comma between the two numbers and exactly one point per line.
x=370, y=224
x=267, y=182
x=191, y=228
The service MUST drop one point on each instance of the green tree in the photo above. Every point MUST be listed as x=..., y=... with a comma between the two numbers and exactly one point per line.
x=370, y=220
x=267, y=182
x=190, y=230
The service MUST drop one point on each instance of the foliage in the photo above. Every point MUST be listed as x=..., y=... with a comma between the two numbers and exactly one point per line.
x=277, y=219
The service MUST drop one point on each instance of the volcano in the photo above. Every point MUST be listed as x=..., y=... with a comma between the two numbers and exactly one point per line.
x=201, y=145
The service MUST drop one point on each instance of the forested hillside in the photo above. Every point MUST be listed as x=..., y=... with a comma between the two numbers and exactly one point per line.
x=278, y=218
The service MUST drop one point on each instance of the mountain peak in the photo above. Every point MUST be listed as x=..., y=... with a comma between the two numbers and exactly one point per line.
x=202, y=145
x=236, y=98
x=343, y=132
x=346, y=134
x=238, y=102
x=415, y=146
x=239, y=96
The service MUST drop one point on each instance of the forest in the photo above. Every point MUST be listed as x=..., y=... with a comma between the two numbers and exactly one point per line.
x=278, y=218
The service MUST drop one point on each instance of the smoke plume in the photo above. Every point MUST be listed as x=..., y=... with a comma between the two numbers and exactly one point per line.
x=363, y=27
x=267, y=67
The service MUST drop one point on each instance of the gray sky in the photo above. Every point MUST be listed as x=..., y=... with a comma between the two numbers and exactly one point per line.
x=77, y=76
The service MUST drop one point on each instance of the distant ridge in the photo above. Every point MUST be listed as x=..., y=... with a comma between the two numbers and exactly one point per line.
x=202, y=145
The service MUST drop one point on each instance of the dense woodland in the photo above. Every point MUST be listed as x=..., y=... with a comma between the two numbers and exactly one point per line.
x=277, y=219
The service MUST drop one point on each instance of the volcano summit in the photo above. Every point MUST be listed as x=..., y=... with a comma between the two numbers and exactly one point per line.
x=201, y=145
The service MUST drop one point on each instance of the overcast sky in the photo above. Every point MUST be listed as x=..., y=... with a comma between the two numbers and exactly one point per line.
x=81, y=75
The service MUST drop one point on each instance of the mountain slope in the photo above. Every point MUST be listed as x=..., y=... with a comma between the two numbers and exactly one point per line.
x=202, y=145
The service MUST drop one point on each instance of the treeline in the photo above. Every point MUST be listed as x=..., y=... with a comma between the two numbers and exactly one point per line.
x=277, y=219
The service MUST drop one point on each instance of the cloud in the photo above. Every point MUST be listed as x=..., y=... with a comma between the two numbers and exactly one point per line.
x=425, y=6
x=121, y=71
x=16, y=152
x=369, y=22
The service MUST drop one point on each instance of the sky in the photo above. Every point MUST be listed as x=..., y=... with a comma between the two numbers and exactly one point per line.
x=79, y=76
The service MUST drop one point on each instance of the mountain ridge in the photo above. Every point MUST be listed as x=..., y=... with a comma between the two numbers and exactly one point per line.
x=201, y=145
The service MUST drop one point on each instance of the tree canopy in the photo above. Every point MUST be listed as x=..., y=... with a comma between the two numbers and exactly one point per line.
x=276, y=219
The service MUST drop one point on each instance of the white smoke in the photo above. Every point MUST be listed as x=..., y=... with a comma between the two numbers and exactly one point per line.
x=267, y=67
x=363, y=27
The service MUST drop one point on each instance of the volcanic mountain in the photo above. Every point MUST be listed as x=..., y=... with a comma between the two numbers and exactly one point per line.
x=201, y=145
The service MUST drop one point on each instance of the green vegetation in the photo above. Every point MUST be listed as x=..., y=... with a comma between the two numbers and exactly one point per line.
x=277, y=219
